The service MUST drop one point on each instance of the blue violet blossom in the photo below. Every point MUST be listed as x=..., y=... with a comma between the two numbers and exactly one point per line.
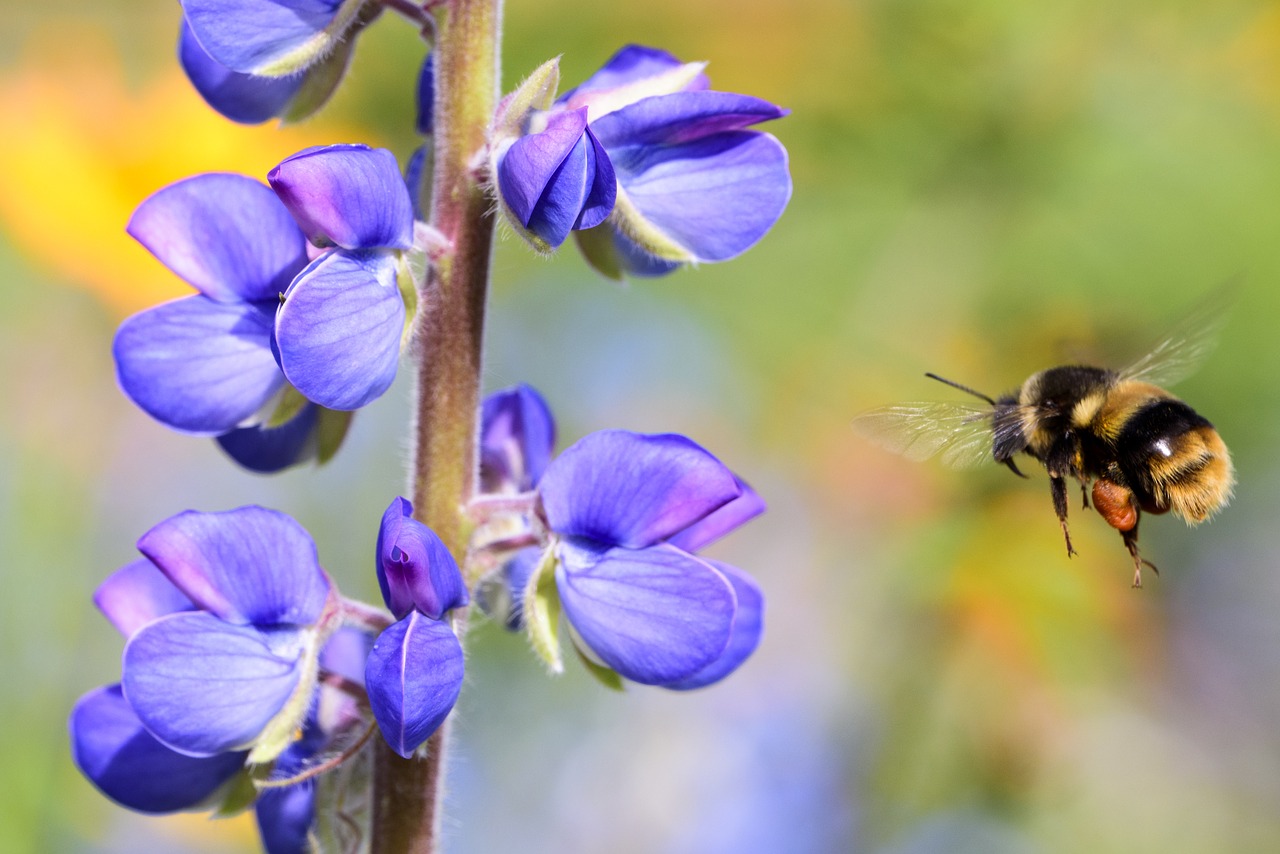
x=339, y=328
x=253, y=60
x=305, y=295
x=204, y=364
x=623, y=515
x=648, y=166
x=228, y=619
x=414, y=672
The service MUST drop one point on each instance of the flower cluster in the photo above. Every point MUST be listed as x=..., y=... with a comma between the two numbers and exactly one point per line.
x=229, y=621
x=624, y=516
x=649, y=166
x=300, y=309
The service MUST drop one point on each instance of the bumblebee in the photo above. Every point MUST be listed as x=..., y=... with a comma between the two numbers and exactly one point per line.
x=1141, y=448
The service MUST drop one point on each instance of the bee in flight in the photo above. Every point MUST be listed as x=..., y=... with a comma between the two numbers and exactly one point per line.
x=1141, y=448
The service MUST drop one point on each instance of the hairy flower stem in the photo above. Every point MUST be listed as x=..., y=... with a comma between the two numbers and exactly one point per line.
x=449, y=335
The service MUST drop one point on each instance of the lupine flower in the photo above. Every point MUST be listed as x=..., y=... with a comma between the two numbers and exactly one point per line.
x=414, y=672
x=204, y=364
x=129, y=764
x=517, y=435
x=339, y=330
x=276, y=38
x=693, y=184
x=238, y=673
x=625, y=511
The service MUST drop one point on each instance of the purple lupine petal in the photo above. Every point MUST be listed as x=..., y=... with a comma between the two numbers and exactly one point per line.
x=545, y=178
x=338, y=332
x=198, y=365
x=517, y=435
x=748, y=626
x=344, y=653
x=137, y=593
x=413, y=676
x=633, y=73
x=629, y=489
x=727, y=518
x=426, y=95
x=243, y=98
x=631, y=63
x=127, y=764
x=715, y=197
x=203, y=686
x=352, y=196
x=603, y=185
x=255, y=36
x=415, y=569
x=248, y=565
x=655, y=615
x=269, y=449
x=285, y=816
x=226, y=235
x=681, y=117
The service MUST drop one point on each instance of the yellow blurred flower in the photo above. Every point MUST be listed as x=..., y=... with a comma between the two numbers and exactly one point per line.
x=88, y=148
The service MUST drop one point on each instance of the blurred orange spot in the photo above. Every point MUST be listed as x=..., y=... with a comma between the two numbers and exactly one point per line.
x=88, y=148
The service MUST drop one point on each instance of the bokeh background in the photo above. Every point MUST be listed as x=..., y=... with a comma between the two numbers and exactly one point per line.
x=982, y=189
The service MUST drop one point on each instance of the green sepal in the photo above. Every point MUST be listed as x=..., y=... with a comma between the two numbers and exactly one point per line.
x=320, y=83
x=284, y=729
x=606, y=676
x=596, y=246
x=331, y=429
x=351, y=16
x=238, y=793
x=289, y=403
x=537, y=92
x=411, y=268
x=542, y=612
x=628, y=220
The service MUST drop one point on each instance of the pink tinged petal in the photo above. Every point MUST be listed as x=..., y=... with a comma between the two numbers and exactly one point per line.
x=137, y=593
x=226, y=235
x=415, y=569
x=716, y=197
x=126, y=763
x=350, y=196
x=748, y=626
x=413, y=676
x=338, y=332
x=655, y=615
x=517, y=435
x=722, y=521
x=249, y=565
x=345, y=652
x=621, y=488
x=198, y=365
x=203, y=686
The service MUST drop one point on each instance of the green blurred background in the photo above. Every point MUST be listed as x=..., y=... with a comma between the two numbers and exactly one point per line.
x=983, y=188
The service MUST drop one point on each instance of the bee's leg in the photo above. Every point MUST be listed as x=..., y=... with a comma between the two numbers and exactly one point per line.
x=1084, y=495
x=1058, y=485
x=1131, y=543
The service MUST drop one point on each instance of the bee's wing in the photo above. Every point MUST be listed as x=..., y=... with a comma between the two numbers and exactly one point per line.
x=1179, y=353
x=918, y=431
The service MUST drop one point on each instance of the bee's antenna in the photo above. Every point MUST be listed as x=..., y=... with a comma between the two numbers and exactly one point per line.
x=963, y=388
